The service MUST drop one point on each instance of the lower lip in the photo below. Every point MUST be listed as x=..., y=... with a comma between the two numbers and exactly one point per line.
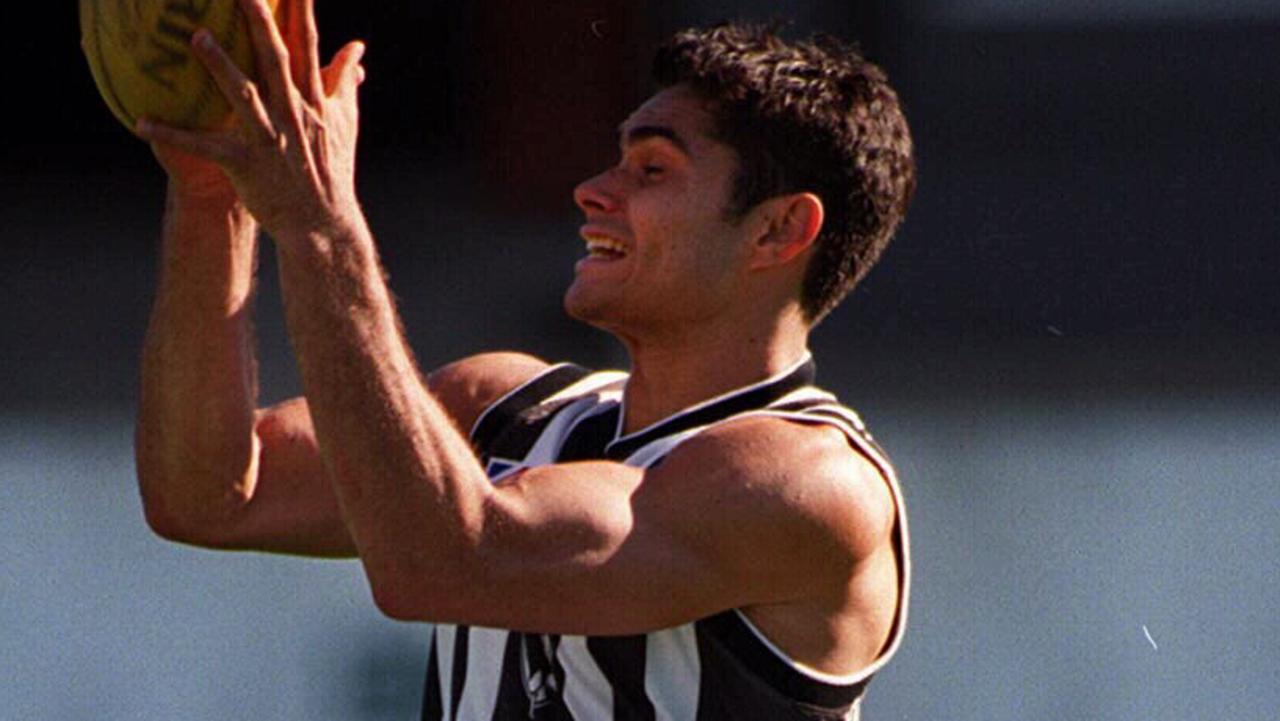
x=595, y=261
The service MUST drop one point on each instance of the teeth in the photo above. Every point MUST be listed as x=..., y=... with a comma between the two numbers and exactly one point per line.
x=602, y=244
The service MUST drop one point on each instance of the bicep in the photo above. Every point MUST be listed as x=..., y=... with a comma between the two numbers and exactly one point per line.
x=584, y=548
x=600, y=548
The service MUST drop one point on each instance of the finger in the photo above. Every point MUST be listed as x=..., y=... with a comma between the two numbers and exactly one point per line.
x=298, y=22
x=238, y=89
x=218, y=147
x=345, y=73
x=269, y=51
x=311, y=43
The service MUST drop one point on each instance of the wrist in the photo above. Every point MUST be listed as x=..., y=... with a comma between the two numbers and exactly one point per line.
x=206, y=206
x=325, y=237
x=208, y=252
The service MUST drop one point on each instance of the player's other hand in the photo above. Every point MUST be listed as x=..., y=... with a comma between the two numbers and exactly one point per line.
x=194, y=180
x=290, y=152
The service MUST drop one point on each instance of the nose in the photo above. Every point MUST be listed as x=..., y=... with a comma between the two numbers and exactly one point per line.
x=594, y=194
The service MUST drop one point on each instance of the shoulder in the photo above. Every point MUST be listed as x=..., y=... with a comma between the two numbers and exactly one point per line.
x=803, y=482
x=468, y=386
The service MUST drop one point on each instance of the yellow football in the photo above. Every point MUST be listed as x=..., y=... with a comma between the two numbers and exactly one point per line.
x=140, y=54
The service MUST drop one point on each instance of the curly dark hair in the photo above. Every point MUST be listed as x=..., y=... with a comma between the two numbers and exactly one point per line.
x=809, y=116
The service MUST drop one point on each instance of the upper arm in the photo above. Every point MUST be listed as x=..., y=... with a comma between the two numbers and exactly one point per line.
x=467, y=387
x=765, y=512
x=280, y=501
x=286, y=504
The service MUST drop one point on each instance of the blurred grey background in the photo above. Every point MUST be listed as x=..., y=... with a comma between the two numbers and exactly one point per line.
x=1070, y=350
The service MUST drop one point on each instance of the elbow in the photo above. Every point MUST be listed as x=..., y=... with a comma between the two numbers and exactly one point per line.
x=398, y=605
x=443, y=579
x=218, y=535
x=180, y=528
x=205, y=524
x=161, y=517
x=401, y=600
x=163, y=523
x=411, y=592
x=189, y=501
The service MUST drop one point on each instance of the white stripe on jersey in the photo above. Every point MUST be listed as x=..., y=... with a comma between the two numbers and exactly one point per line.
x=485, y=648
x=805, y=393
x=445, y=636
x=672, y=673
x=606, y=384
x=587, y=693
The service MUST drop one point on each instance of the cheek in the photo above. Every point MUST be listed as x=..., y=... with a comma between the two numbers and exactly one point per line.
x=681, y=242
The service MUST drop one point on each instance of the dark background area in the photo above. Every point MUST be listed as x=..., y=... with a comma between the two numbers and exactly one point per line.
x=1070, y=348
x=1086, y=184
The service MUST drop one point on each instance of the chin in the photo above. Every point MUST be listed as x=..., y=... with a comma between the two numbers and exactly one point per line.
x=581, y=305
x=578, y=305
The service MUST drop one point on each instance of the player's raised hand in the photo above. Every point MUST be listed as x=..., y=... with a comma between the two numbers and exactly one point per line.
x=195, y=179
x=290, y=151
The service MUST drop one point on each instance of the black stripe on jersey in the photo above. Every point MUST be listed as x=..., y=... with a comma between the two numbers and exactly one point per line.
x=751, y=400
x=498, y=417
x=532, y=683
x=587, y=439
x=432, y=705
x=518, y=438
x=728, y=630
x=513, y=701
x=460, y=645
x=621, y=659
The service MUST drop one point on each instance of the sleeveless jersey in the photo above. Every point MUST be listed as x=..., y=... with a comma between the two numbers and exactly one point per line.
x=712, y=669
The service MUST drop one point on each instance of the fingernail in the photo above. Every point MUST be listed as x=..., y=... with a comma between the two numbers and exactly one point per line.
x=204, y=39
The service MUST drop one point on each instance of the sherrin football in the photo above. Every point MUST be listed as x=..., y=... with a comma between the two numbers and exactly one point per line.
x=140, y=54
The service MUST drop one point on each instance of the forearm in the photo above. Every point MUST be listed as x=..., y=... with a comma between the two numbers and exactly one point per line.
x=410, y=487
x=196, y=451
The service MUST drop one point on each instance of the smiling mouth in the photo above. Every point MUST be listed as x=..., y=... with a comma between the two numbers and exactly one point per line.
x=604, y=247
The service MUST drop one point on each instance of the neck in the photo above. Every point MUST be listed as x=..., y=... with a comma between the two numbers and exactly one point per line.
x=669, y=376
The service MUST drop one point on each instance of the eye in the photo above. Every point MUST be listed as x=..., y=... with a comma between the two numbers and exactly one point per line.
x=652, y=171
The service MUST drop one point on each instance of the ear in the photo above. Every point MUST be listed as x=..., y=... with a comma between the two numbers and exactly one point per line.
x=789, y=224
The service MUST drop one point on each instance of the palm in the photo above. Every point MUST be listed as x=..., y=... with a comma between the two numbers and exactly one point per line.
x=288, y=153
x=192, y=176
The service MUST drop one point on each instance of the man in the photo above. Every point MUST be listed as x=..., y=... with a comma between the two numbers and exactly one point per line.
x=708, y=537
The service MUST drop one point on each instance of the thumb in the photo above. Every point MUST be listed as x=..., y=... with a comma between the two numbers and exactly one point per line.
x=345, y=73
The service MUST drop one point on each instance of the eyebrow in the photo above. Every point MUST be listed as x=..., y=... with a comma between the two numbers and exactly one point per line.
x=645, y=132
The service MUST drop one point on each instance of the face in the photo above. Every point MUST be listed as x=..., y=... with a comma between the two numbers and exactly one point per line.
x=661, y=254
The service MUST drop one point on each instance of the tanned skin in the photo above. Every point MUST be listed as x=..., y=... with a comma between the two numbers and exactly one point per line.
x=782, y=520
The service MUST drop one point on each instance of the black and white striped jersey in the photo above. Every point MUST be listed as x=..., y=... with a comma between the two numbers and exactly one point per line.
x=712, y=669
